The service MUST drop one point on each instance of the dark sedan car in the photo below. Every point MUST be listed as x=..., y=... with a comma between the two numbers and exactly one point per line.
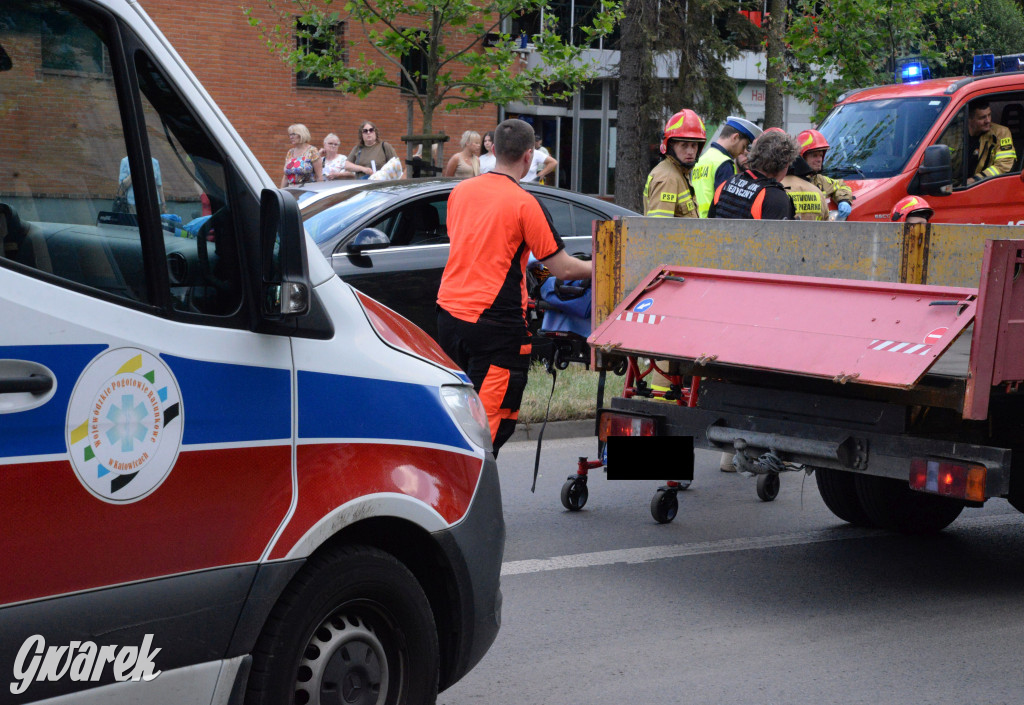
x=404, y=273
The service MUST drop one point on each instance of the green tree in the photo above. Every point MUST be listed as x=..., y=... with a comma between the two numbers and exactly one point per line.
x=692, y=40
x=836, y=45
x=453, y=51
x=988, y=27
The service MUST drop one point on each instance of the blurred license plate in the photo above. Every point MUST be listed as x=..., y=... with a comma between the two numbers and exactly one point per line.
x=649, y=457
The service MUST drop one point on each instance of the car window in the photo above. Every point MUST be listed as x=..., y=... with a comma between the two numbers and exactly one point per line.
x=200, y=241
x=325, y=220
x=584, y=220
x=953, y=137
x=75, y=217
x=561, y=215
x=421, y=222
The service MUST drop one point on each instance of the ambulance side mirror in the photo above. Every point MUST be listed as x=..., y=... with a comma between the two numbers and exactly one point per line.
x=935, y=175
x=284, y=283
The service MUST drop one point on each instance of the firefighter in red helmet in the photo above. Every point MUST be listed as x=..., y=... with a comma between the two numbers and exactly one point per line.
x=813, y=147
x=912, y=209
x=668, y=192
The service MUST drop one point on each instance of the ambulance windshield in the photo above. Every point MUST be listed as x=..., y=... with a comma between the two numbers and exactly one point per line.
x=875, y=139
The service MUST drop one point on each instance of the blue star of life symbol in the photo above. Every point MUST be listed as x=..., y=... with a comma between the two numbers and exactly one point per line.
x=127, y=420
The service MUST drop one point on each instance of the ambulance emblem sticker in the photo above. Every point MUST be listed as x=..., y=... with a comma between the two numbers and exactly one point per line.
x=124, y=425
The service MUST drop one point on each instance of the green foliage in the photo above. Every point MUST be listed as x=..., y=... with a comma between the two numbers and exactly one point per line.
x=448, y=38
x=836, y=45
x=989, y=27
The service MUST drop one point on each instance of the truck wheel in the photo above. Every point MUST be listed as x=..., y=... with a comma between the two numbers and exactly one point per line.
x=891, y=504
x=840, y=495
x=353, y=626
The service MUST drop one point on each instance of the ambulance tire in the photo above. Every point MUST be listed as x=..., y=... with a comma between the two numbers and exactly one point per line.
x=354, y=618
x=891, y=504
x=839, y=492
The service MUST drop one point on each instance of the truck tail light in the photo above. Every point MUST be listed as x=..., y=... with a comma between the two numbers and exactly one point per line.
x=614, y=424
x=949, y=479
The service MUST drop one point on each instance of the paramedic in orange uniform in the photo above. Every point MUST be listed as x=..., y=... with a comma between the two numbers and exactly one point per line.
x=493, y=225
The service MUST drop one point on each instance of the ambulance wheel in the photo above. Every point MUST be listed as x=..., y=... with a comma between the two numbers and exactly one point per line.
x=768, y=486
x=574, y=494
x=664, y=505
x=353, y=626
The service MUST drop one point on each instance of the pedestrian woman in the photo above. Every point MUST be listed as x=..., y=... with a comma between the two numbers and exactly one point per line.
x=334, y=163
x=370, y=153
x=487, y=159
x=302, y=163
x=465, y=163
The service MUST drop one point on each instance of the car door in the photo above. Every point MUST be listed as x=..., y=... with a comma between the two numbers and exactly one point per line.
x=145, y=432
x=406, y=275
x=995, y=200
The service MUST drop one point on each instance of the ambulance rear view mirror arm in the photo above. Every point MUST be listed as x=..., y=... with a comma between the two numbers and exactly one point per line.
x=935, y=175
x=284, y=285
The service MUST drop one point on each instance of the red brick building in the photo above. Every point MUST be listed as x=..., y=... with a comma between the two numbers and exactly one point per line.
x=260, y=94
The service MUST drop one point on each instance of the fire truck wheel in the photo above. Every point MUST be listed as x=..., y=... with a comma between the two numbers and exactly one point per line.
x=891, y=504
x=574, y=494
x=839, y=493
x=768, y=486
x=353, y=626
x=664, y=505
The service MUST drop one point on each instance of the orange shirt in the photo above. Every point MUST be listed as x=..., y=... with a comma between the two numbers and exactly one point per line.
x=493, y=224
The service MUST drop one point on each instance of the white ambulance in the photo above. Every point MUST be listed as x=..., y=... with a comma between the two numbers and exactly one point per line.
x=225, y=476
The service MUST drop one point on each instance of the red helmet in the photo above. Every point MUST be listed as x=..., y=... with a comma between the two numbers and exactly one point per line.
x=684, y=125
x=911, y=205
x=810, y=140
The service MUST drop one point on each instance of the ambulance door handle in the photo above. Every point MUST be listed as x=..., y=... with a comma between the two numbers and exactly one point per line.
x=32, y=384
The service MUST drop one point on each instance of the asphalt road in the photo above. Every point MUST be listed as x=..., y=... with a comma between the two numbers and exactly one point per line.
x=740, y=601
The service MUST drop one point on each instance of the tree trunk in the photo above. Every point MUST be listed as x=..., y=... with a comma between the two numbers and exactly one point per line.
x=631, y=148
x=774, y=74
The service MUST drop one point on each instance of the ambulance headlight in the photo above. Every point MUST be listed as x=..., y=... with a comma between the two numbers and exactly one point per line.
x=467, y=409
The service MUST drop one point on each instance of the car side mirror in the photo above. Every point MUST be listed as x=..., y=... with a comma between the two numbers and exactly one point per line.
x=284, y=285
x=368, y=239
x=935, y=175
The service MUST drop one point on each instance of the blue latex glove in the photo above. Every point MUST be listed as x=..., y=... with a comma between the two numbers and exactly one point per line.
x=844, y=210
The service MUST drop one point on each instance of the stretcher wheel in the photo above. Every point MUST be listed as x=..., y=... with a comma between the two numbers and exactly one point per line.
x=664, y=505
x=575, y=493
x=768, y=486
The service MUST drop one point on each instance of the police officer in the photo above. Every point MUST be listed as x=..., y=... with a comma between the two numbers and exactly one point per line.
x=668, y=192
x=808, y=200
x=718, y=163
x=757, y=192
x=990, y=146
x=813, y=147
x=912, y=209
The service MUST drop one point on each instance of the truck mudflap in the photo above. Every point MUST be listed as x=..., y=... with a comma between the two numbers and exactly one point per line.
x=871, y=333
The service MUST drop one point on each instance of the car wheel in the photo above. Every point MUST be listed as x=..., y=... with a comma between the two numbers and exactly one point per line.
x=353, y=626
x=891, y=504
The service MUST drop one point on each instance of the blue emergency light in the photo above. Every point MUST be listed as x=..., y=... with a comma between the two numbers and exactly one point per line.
x=984, y=63
x=912, y=71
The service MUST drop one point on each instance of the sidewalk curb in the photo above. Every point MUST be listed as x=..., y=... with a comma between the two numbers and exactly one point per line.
x=555, y=429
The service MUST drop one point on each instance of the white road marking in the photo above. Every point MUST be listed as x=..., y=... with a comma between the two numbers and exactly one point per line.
x=655, y=553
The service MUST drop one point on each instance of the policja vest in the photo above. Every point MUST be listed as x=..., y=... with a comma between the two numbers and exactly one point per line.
x=703, y=176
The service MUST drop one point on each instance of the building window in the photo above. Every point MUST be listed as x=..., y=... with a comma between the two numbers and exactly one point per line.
x=329, y=41
x=415, y=65
x=68, y=45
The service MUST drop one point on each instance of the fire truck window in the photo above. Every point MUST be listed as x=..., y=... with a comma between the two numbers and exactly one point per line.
x=953, y=137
